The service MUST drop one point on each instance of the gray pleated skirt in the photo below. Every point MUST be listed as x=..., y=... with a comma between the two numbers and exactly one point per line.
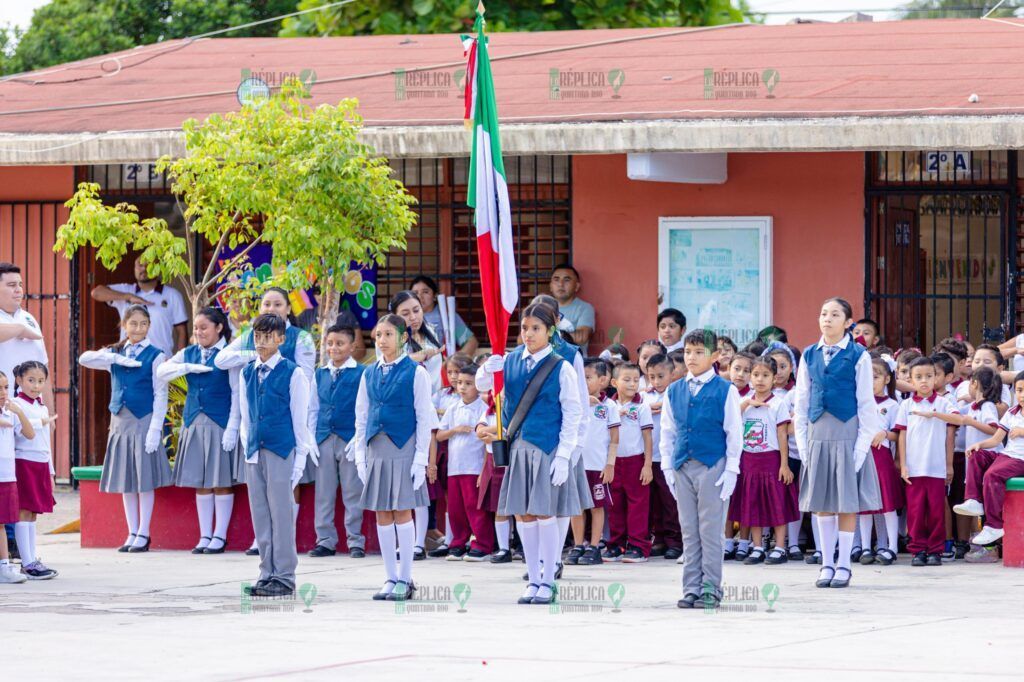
x=388, y=479
x=829, y=481
x=202, y=462
x=127, y=467
x=527, y=488
x=578, y=475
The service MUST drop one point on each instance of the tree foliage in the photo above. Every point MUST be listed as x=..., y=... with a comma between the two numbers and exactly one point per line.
x=957, y=9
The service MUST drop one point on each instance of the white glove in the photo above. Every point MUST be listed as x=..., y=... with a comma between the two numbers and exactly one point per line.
x=727, y=481
x=313, y=455
x=296, y=475
x=119, y=359
x=229, y=441
x=350, y=451
x=197, y=369
x=419, y=476
x=153, y=437
x=494, y=363
x=361, y=472
x=670, y=481
x=861, y=457
x=559, y=470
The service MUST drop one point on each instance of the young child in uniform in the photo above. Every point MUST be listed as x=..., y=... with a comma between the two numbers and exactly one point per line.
x=210, y=424
x=667, y=537
x=927, y=426
x=727, y=348
x=274, y=402
x=644, y=352
x=13, y=423
x=866, y=330
x=489, y=483
x=671, y=329
x=395, y=420
x=599, y=450
x=629, y=518
x=444, y=398
x=701, y=442
x=332, y=419
x=889, y=482
x=785, y=357
x=678, y=358
x=465, y=463
x=739, y=372
x=135, y=464
x=989, y=463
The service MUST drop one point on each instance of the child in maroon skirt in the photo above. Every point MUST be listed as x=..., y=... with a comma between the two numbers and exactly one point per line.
x=13, y=423
x=889, y=481
x=33, y=466
x=489, y=484
x=762, y=500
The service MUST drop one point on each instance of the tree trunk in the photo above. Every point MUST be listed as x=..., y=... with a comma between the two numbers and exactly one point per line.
x=330, y=299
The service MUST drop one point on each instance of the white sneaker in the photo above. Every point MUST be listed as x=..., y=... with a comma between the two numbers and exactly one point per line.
x=11, y=575
x=680, y=559
x=969, y=508
x=987, y=536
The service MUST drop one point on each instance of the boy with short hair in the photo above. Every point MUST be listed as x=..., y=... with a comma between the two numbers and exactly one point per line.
x=866, y=330
x=332, y=418
x=671, y=328
x=701, y=443
x=668, y=539
x=274, y=403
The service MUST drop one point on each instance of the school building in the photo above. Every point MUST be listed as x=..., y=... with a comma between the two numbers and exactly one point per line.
x=740, y=173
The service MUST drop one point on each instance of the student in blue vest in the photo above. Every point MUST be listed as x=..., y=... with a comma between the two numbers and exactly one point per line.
x=536, y=487
x=135, y=464
x=208, y=442
x=701, y=444
x=298, y=347
x=332, y=418
x=274, y=402
x=395, y=420
x=835, y=419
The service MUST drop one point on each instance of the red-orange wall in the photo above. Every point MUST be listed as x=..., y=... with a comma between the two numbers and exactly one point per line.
x=816, y=201
x=37, y=183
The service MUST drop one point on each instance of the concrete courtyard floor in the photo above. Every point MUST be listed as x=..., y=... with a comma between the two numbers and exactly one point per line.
x=172, y=615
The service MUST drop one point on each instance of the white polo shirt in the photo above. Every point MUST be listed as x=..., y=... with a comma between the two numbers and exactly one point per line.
x=926, y=436
x=1013, y=419
x=17, y=351
x=987, y=413
x=166, y=309
x=465, y=450
x=761, y=424
x=634, y=418
x=601, y=419
x=7, y=436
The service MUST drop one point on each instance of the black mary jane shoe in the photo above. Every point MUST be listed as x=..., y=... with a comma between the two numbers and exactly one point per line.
x=357, y=553
x=272, y=588
x=776, y=556
x=126, y=546
x=544, y=600
x=886, y=556
x=688, y=601
x=673, y=553
x=403, y=591
x=528, y=600
x=867, y=557
x=382, y=595
x=138, y=550
x=795, y=553
x=756, y=556
x=823, y=581
x=418, y=554
x=219, y=550
x=201, y=550
x=252, y=551
x=841, y=582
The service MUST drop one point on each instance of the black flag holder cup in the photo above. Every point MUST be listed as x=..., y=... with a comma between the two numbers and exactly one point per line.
x=501, y=448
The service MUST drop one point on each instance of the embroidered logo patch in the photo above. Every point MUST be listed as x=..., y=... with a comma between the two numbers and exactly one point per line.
x=600, y=412
x=598, y=491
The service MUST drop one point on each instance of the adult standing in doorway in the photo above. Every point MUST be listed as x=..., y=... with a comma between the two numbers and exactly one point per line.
x=565, y=283
x=426, y=291
x=166, y=307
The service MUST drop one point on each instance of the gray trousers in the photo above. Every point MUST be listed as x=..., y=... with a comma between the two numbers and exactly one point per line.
x=332, y=471
x=701, y=519
x=271, y=502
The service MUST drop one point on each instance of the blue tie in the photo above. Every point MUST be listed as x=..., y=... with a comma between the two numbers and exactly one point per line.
x=694, y=386
x=830, y=352
x=262, y=371
x=205, y=352
x=131, y=352
x=530, y=364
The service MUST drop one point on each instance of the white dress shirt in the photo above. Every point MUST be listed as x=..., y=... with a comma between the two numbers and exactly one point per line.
x=7, y=436
x=175, y=367
x=867, y=413
x=299, y=405
x=314, y=392
x=235, y=356
x=104, y=359
x=732, y=423
x=568, y=398
x=34, y=449
x=423, y=405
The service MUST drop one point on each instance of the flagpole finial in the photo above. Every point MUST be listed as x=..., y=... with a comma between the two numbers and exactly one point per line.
x=480, y=8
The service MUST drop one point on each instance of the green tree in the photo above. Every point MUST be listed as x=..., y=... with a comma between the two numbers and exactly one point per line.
x=283, y=174
x=957, y=9
x=452, y=16
x=68, y=30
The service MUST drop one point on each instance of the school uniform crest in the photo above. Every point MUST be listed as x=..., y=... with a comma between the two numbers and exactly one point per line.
x=632, y=413
x=600, y=412
x=754, y=434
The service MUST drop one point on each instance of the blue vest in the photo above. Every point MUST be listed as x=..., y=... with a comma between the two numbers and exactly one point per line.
x=337, y=402
x=833, y=388
x=544, y=420
x=208, y=393
x=391, y=402
x=568, y=351
x=270, y=415
x=132, y=387
x=700, y=421
x=287, y=349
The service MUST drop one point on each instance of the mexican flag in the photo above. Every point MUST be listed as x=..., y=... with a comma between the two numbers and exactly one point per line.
x=488, y=194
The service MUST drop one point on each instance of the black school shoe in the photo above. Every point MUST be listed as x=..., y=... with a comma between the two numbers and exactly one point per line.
x=776, y=556
x=249, y=588
x=813, y=558
x=357, y=553
x=612, y=554
x=476, y=555
x=574, y=555
x=673, y=553
x=658, y=550
x=502, y=556
x=933, y=560
x=418, y=554
x=633, y=556
x=960, y=549
x=886, y=556
x=403, y=591
x=456, y=553
x=729, y=555
x=321, y=551
x=591, y=557
x=795, y=553
x=920, y=559
x=867, y=557
x=274, y=588
x=756, y=557
x=252, y=551
x=439, y=552
x=195, y=550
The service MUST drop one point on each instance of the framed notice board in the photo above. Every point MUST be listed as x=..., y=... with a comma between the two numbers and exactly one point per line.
x=718, y=271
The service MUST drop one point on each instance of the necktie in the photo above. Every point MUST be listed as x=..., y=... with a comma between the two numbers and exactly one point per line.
x=262, y=372
x=694, y=386
x=530, y=364
x=131, y=352
x=335, y=371
x=385, y=368
x=830, y=352
x=205, y=352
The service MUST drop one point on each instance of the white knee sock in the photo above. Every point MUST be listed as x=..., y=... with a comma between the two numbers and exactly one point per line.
x=793, y=533
x=24, y=533
x=204, y=507
x=422, y=515
x=447, y=530
x=845, y=547
x=551, y=541
x=386, y=538
x=828, y=527
x=224, y=505
x=145, y=516
x=295, y=512
x=816, y=532
x=501, y=529
x=406, y=533
x=131, y=514
x=892, y=523
x=529, y=533
x=864, y=523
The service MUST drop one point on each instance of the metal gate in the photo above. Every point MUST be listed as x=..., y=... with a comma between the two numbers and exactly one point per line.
x=27, y=233
x=940, y=245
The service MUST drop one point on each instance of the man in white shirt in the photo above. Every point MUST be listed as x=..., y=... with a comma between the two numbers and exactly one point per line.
x=167, y=311
x=20, y=336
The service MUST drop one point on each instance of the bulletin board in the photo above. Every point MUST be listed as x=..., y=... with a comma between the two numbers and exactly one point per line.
x=718, y=272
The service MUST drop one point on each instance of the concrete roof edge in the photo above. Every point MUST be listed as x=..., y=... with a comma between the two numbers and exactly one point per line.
x=852, y=133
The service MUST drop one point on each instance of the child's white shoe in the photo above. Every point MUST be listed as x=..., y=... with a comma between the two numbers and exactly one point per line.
x=969, y=508
x=987, y=536
x=10, y=575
